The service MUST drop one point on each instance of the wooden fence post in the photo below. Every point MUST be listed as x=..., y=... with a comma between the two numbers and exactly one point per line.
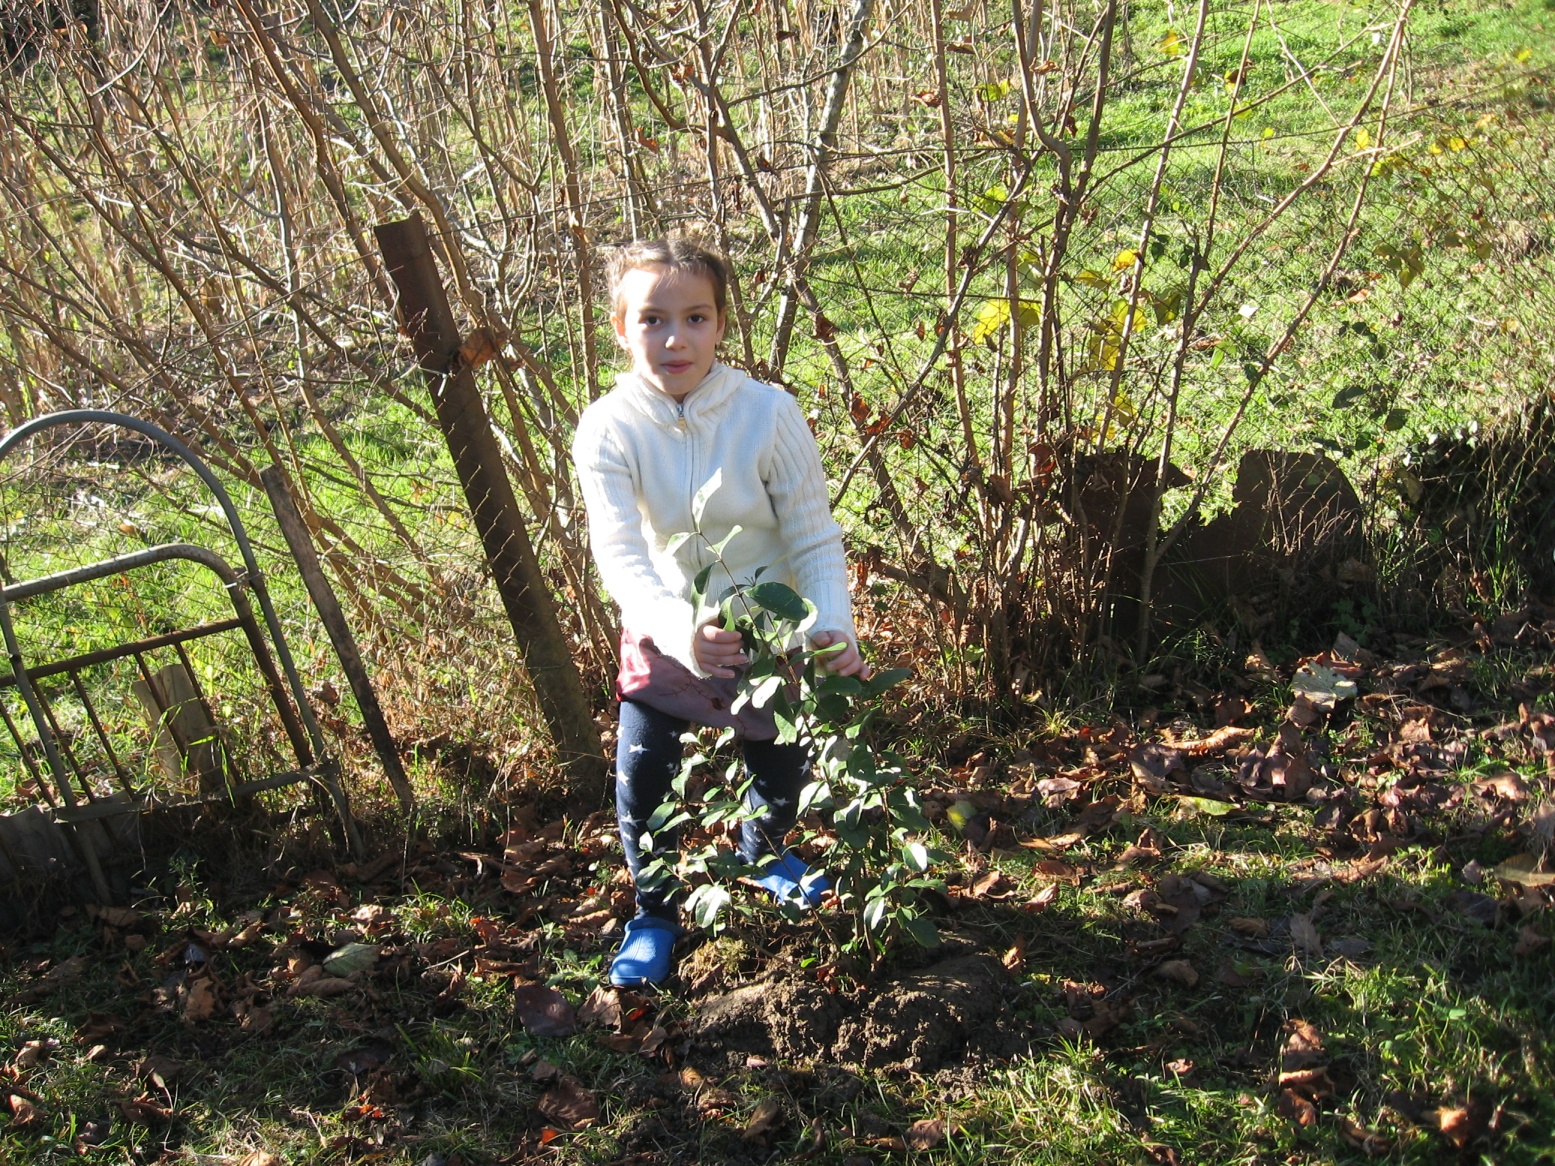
x=461, y=415
x=295, y=531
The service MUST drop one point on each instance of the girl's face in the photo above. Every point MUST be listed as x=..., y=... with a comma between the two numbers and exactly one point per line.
x=667, y=322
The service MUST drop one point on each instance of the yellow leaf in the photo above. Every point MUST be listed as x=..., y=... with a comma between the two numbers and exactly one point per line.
x=1124, y=259
x=1172, y=43
x=1523, y=54
x=1094, y=279
x=1456, y=143
x=1362, y=138
x=991, y=317
x=1268, y=132
x=1509, y=325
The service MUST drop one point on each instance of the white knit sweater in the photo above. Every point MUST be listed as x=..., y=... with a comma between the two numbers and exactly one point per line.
x=642, y=457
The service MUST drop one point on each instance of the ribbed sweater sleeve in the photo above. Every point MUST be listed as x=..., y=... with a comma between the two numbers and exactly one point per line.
x=796, y=484
x=620, y=545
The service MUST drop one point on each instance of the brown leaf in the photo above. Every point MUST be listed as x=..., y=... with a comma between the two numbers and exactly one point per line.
x=1223, y=738
x=1457, y=1124
x=144, y=1111
x=116, y=916
x=1015, y=959
x=928, y=1133
x=1297, y=1108
x=24, y=1113
x=766, y=1118
x=1530, y=941
x=602, y=1007
x=1178, y=971
x=1368, y=1141
x=198, y=997
x=1246, y=925
x=1303, y=933
x=1312, y=1083
x=543, y=1070
x=321, y=986
x=992, y=885
x=568, y=1105
x=57, y=977
x=260, y=1158
x=1303, y=1046
x=544, y=1011
x=159, y=1070
x=1043, y=899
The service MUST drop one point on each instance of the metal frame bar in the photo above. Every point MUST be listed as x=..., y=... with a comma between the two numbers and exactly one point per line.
x=293, y=708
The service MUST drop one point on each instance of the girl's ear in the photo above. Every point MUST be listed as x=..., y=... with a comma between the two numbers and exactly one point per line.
x=618, y=323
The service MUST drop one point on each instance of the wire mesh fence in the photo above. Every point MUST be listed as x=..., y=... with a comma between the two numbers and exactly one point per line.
x=1041, y=275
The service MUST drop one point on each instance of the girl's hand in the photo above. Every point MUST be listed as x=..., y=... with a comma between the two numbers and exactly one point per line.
x=848, y=662
x=716, y=651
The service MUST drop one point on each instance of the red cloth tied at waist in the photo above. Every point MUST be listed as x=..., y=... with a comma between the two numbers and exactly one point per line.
x=662, y=682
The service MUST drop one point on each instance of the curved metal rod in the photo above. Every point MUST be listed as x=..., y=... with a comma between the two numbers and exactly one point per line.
x=234, y=523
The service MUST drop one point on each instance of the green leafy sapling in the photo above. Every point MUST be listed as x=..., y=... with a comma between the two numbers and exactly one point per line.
x=878, y=860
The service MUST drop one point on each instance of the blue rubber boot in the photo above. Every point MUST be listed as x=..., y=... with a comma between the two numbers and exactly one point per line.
x=789, y=880
x=647, y=952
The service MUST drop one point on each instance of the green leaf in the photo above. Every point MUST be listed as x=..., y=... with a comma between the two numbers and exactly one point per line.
x=874, y=914
x=1208, y=806
x=922, y=930
x=778, y=598
x=1395, y=420
x=676, y=541
x=718, y=547
x=699, y=584
x=840, y=686
x=1348, y=396
x=881, y=681
x=709, y=488
x=916, y=855
x=706, y=904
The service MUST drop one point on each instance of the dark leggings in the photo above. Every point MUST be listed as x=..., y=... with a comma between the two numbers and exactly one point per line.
x=648, y=756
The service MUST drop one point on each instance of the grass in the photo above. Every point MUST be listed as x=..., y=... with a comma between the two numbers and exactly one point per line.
x=1423, y=1001
x=426, y=1061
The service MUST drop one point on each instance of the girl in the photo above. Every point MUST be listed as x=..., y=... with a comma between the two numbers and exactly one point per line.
x=643, y=451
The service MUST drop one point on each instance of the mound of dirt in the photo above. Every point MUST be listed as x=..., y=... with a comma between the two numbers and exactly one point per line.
x=920, y=1022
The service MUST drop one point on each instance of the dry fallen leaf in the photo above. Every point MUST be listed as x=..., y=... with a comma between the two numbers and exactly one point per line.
x=1246, y=925
x=928, y=1133
x=321, y=986
x=24, y=1113
x=1530, y=941
x=1297, y=1108
x=143, y=1110
x=159, y=1070
x=544, y=1011
x=1178, y=971
x=260, y=1158
x=198, y=997
x=1367, y=1141
x=568, y=1105
x=1303, y=932
x=1303, y=1046
x=602, y=1007
x=766, y=1117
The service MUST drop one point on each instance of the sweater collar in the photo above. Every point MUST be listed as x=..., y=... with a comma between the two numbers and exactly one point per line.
x=710, y=395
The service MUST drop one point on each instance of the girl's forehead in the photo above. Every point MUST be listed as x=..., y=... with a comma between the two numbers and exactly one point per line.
x=643, y=285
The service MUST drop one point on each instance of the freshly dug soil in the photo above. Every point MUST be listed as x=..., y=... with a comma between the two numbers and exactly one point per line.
x=920, y=1022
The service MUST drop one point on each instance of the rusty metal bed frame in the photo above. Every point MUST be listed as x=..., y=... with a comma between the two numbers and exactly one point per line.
x=72, y=802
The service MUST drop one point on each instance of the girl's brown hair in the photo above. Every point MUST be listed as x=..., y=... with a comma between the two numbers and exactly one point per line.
x=678, y=253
